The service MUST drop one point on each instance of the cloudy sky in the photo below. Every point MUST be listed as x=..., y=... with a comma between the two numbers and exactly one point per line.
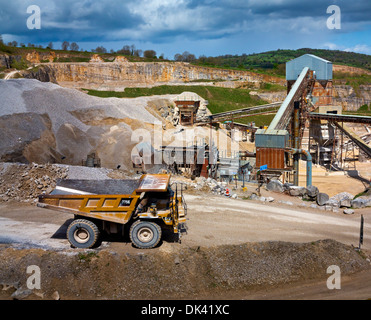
x=205, y=27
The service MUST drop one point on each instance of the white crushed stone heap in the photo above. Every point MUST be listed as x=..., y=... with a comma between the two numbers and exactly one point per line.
x=48, y=122
x=30, y=95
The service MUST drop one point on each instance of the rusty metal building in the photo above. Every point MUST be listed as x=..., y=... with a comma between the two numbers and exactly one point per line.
x=188, y=104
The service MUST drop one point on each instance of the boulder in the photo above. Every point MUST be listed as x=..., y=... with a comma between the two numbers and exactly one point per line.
x=367, y=200
x=322, y=198
x=254, y=196
x=345, y=203
x=275, y=186
x=312, y=191
x=287, y=185
x=333, y=203
x=348, y=211
x=358, y=203
x=342, y=196
x=297, y=191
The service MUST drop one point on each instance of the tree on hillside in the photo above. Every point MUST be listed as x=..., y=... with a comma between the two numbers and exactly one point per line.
x=50, y=45
x=185, y=57
x=138, y=53
x=65, y=45
x=150, y=54
x=74, y=46
x=126, y=50
x=1, y=38
x=100, y=49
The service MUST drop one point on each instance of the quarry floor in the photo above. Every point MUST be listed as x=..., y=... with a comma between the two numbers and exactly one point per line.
x=214, y=222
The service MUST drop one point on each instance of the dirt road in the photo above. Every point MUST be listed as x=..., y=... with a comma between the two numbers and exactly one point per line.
x=214, y=222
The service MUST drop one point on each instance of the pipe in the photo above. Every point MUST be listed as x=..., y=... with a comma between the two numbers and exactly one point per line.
x=309, y=163
x=296, y=141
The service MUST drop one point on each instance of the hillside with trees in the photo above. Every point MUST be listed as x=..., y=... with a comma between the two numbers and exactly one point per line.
x=274, y=61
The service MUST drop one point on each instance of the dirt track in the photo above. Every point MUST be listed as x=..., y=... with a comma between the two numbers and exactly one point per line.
x=214, y=223
x=212, y=220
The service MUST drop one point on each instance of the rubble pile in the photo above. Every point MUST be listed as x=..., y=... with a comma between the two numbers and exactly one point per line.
x=210, y=185
x=24, y=183
x=170, y=113
x=321, y=200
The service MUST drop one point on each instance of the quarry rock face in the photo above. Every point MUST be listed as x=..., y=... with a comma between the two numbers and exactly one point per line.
x=346, y=95
x=96, y=58
x=5, y=61
x=43, y=74
x=348, y=69
x=33, y=57
x=121, y=59
x=149, y=72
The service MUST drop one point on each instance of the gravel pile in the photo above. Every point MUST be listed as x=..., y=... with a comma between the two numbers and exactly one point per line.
x=86, y=173
x=29, y=95
x=68, y=124
x=174, y=273
x=24, y=183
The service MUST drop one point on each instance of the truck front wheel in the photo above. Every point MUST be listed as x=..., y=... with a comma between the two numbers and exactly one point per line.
x=145, y=235
x=82, y=233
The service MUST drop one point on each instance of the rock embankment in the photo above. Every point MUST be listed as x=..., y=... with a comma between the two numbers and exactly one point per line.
x=176, y=273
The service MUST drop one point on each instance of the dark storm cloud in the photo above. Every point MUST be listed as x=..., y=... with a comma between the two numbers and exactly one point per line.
x=79, y=20
x=163, y=20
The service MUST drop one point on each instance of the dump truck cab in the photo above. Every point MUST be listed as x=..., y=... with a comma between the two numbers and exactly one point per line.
x=145, y=207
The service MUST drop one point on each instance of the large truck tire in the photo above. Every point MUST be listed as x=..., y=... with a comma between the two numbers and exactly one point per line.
x=145, y=235
x=82, y=234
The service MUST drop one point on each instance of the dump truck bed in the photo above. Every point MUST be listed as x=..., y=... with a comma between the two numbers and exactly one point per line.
x=90, y=187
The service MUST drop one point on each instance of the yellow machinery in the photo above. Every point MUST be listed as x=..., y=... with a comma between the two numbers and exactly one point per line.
x=144, y=207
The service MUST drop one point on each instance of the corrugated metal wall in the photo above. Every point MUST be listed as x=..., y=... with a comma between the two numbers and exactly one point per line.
x=274, y=158
x=322, y=67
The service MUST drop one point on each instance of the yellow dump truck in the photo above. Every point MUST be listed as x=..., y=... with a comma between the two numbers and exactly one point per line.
x=144, y=207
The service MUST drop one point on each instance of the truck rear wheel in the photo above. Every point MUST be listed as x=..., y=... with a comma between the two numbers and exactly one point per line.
x=145, y=235
x=82, y=233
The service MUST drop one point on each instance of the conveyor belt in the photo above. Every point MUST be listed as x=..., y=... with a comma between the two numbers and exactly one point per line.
x=340, y=117
x=241, y=113
x=355, y=138
x=283, y=117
